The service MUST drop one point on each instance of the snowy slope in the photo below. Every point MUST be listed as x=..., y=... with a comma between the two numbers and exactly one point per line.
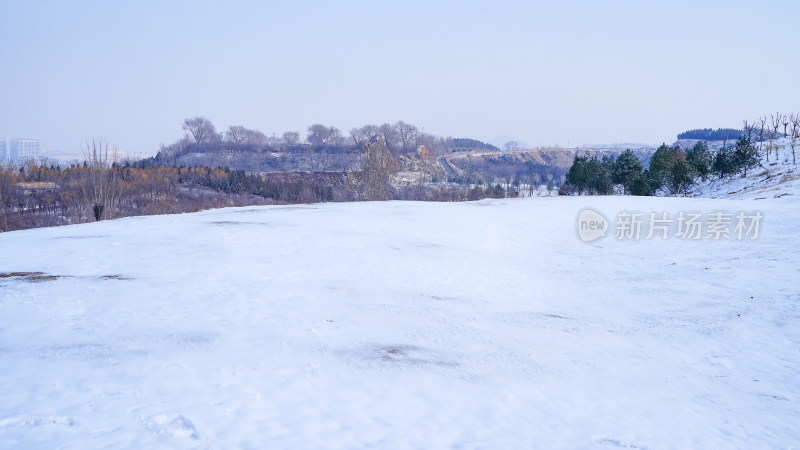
x=401, y=325
x=772, y=179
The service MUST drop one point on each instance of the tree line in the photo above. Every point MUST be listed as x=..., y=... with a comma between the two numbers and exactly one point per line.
x=670, y=171
x=102, y=187
x=710, y=134
x=202, y=137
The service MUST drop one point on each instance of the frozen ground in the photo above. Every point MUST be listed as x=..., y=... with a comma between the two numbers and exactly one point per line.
x=401, y=325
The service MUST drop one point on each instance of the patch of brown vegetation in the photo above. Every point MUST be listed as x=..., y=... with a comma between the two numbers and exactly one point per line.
x=20, y=274
x=33, y=277
x=40, y=278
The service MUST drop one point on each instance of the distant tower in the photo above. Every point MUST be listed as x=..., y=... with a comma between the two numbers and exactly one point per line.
x=4, y=156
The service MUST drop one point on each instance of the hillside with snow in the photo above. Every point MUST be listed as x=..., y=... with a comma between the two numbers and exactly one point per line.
x=775, y=177
x=402, y=325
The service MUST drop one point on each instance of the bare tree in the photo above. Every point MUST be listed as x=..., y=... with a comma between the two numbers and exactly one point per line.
x=358, y=137
x=389, y=134
x=776, y=122
x=235, y=134
x=201, y=129
x=240, y=135
x=763, y=121
x=407, y=134
x=795, y=121
x=101, y=191
x=7, y=191
x=272, y=141
x=748, y=128
x=321, y=136
x=361, y=136
x=379, y=164
x=291, y=138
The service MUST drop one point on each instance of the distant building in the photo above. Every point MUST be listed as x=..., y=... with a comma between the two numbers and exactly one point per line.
x=36, y=187
x=19, y=151
x=24, y=150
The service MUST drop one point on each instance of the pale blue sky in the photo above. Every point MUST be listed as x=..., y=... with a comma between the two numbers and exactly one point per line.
x=545, y=73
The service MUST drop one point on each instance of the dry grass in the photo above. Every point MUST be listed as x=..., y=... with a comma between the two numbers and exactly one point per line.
x=33, y=277
x=20, y=274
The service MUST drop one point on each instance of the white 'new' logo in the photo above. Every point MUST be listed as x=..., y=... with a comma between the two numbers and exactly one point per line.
x=591, y=225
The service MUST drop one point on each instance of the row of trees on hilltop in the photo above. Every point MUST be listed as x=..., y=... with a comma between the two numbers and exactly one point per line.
x=764, y=131
x=710, y=134
x=201, y=136
x=671, y=171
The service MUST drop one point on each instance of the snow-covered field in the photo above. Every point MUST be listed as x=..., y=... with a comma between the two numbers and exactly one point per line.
x=401, y=325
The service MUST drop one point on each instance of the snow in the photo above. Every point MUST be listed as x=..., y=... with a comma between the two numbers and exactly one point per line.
x=771, y=179
x=401, y=325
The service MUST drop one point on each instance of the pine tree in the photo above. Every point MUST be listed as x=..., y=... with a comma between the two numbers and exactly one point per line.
x=724, y=163
x=625, y=169
x=600, y=176
x=639, y=185
x=578, y=176
x=669, y=170
x=746, y=155
x=700, y=159
x=659, y=167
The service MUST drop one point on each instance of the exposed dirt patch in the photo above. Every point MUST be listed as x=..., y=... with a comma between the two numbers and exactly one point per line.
x=20, y=274
x=33, y=277
x=115, y=277
x=400, y=350
x=40, y=278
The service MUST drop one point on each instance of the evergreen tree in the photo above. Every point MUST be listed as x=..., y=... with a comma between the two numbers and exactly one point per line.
x=625, y=169
x=680, y=173
x=578, y=175
x=700, y=159
x=669, y=171
x=659, y=167
x=590, y=175
x=600, y=176
x=639, y=185
x=724, y=163
x=745, y=155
